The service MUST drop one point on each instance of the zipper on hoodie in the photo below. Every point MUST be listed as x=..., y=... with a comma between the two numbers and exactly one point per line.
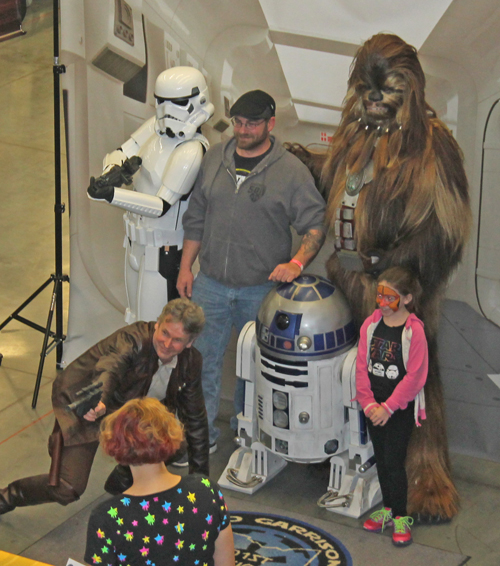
x=244, y=180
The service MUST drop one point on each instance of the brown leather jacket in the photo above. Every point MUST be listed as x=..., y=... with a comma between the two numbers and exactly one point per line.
x=125, y=362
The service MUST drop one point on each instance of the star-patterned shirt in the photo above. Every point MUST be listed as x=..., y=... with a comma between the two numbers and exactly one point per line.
x=176, y=527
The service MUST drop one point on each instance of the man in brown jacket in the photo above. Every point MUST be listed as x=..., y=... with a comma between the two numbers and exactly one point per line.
x=139, y=360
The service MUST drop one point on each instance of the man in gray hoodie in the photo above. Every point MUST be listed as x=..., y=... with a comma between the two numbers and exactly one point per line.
x=247, y=195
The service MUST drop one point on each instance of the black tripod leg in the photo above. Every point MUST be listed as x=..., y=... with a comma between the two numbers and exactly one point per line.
x=26, y=302
x=43, y=353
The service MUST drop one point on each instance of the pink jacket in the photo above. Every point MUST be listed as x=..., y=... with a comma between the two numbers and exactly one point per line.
x=415, y=359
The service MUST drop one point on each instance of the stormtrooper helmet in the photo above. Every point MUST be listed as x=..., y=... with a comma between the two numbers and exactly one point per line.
x=182, y=103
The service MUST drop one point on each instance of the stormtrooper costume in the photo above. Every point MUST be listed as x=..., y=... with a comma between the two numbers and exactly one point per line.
x=167, y=149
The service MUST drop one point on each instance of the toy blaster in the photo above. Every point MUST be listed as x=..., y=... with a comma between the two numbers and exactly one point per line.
x=119, y=175
x=87, y=398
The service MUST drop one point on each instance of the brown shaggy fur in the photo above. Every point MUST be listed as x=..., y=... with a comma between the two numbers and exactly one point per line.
x=414, y=213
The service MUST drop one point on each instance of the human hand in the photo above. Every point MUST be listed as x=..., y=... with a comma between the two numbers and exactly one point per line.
x=372, y=408
x=285, y=272
x=96, y=413
x=185, y=283
x=379, y=416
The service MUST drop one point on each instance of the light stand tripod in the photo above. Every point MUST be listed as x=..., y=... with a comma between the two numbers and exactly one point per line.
x=56, y=303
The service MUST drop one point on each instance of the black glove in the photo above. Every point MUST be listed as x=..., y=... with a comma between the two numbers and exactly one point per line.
x=129, y=167
x=102, y=188
x=99, y=191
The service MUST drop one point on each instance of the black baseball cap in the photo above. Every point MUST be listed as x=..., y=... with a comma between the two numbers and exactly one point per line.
x=254, y=105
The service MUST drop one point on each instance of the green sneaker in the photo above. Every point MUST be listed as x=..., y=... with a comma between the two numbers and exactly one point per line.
x=378, y=520
x=402, y=531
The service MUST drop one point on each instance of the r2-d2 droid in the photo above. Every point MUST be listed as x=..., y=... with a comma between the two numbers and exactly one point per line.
x=298, y=362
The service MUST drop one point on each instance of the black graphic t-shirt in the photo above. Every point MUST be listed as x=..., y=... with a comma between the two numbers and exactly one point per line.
x=386, y=368
x=245, y=165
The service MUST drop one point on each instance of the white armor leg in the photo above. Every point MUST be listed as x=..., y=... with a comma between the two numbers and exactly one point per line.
x=147, y=289
x=132, y=266
x=152, y=293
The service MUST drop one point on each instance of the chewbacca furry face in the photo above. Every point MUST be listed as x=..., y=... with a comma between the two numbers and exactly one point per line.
x=382, y=95
x=386, y=86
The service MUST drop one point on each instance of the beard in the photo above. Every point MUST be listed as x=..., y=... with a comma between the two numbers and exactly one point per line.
x=251, y=140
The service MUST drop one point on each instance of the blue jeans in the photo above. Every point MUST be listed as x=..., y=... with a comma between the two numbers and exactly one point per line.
x=224, y=307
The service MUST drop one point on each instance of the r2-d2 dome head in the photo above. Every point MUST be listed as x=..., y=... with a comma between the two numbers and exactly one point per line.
x=182, y=103
x=308, y=319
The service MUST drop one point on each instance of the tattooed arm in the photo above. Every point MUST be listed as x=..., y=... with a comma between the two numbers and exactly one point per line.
x=311, y=244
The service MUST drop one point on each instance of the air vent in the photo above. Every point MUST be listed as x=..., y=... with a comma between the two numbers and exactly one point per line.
x=221, y=126
x=260, y=408
x=116, y=65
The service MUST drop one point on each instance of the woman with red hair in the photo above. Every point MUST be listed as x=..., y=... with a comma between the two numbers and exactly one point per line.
x=163, y=518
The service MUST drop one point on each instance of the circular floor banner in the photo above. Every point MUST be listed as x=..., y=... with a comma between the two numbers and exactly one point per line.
x=260, y=538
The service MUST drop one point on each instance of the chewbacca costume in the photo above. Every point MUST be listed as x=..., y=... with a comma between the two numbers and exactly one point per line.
x=397, y=195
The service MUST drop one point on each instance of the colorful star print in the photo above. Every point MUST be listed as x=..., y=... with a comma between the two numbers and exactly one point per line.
x=196, y=496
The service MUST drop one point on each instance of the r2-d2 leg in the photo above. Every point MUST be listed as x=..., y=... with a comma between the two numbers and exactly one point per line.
x=251, y=465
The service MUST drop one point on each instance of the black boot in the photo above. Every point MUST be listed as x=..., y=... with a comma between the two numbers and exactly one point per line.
x=119, y=480
x=8, y=498
x=27, y=491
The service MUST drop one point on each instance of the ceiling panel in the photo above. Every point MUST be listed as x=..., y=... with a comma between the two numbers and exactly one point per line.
x=317, y=115
x=354, y=21
x=315, y=76
x=320, y=76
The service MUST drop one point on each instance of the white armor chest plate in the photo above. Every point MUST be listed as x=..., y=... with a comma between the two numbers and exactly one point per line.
x=155, y=154
x=166, y=230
